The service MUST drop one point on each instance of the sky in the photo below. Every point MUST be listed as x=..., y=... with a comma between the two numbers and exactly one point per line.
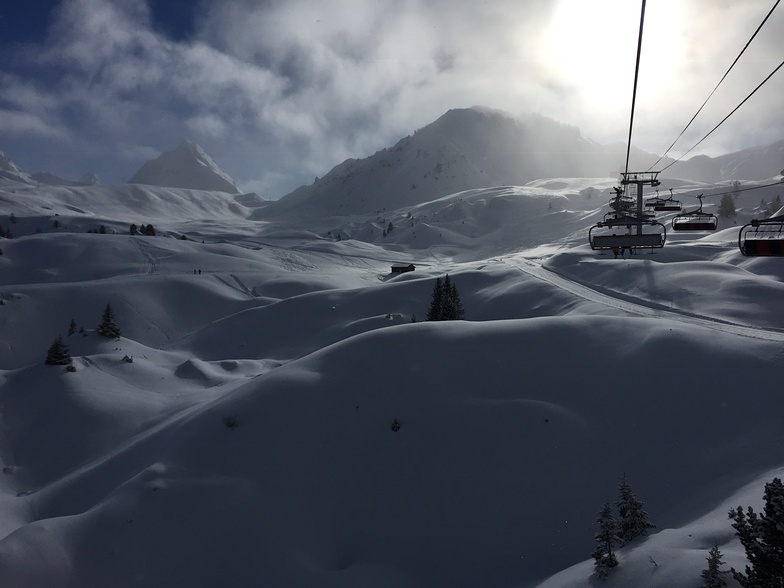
x=280, y=91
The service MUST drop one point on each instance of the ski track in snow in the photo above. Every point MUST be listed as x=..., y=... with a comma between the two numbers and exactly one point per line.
x=152, y=263
x=638, y=306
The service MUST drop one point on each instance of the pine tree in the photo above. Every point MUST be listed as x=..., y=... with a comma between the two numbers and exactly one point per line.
x=108, y=328
x=634, y=520
x=762, y=537
x=457, y=306
x=448, y=303
x=604, y=555
x=435, y=312
x=727, y=206
x=72, y=328
x=445, y=304
x=58, y=353
x=712, y=575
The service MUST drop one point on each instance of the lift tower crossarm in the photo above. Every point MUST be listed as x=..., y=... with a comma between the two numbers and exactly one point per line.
x=640, y=179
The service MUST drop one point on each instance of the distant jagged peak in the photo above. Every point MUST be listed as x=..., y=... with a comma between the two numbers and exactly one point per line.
x=7, y=165
x=10, y=171
x=188, y=166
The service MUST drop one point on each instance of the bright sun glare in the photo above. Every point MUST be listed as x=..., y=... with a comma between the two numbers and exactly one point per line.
x=591, y=47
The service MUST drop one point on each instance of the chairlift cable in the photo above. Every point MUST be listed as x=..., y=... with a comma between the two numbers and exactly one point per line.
x=717, y=87
x=634, y=91
x=726, y=117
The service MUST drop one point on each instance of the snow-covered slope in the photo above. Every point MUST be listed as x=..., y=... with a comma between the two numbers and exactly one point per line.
x=188, y=166
x=250, y=440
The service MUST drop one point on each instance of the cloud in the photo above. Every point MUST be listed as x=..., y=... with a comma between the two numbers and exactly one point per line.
x=279, y=91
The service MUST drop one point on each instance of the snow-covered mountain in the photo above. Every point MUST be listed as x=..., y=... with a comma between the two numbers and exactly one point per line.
x=755, y=163
x=187, y=166
x=464, y=149
x=480, y=148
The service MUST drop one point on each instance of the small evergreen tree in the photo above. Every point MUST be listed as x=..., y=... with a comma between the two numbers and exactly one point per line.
x=762, y=537
x=58, y=353
x=457, y=307
x=134, y=230
x=445, y=303
x=712, y=575
x=727, y=206
x=634, y=520
x=72, y=328
x=102, y=229
x=436, y=303
x=448, y=303
x=604, y=554
x=108, y=327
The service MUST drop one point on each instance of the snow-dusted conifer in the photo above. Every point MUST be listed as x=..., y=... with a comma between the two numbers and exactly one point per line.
x=604, y=554
x=445, y=304
x=448, y=303
x=436, y=303
x=72, y=328
x=633, y=519
x=712, y=575
x=762, y=537
x=58, y=353
x=457, y=306
x=108, y=328
x=727, y=206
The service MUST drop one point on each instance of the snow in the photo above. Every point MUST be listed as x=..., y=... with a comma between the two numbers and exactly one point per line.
x=571, y=369
x=187, y=166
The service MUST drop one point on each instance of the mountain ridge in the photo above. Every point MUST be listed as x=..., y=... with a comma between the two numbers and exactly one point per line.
x=480, y=147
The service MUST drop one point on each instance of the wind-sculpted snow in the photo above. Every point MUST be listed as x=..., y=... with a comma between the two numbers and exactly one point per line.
x=496, y=439
x=272, y=415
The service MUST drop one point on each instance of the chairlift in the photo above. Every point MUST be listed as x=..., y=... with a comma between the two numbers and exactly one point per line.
x=762, y=237
x=696, y=220
x=621, y=201
x=664, y=204
x=606, y=236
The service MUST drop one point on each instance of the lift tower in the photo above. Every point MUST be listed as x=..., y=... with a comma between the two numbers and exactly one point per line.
x=639, y=179
x=628, y=214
